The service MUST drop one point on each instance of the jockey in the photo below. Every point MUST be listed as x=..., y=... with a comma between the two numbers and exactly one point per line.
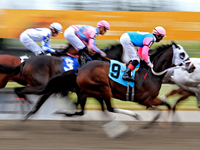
x=144, y=41
x=30, y=36
x=83, y=37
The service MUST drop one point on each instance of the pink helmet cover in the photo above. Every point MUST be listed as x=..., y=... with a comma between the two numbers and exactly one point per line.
x=159, y=31
x=103, y=23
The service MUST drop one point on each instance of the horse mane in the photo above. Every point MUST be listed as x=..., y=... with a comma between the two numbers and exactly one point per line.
x=114, y=51
x=160, y=49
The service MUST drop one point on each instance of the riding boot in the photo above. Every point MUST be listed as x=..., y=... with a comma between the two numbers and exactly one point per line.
x=83, y=59
x=127, y=75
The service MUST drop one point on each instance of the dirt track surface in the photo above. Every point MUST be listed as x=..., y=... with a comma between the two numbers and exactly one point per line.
x=89, y=135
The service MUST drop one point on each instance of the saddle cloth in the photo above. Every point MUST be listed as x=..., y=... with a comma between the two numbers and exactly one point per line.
x=117, y=70
x=70, y=63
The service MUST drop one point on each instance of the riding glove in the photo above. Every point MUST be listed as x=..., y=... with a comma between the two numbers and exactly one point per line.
x=103, y=54
x=58, y=53
x=150, y=64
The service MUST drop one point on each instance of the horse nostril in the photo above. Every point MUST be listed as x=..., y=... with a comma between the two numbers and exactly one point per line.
x=192, y=69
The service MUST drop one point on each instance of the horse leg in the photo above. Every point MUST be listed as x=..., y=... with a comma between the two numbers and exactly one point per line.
x=198, y=99
x=82, y=101
x=122, y=111
x=185, y=95
x=4, y=80
x=177, y=91
x=153, y=103
x=39, y=103
x=20, y=93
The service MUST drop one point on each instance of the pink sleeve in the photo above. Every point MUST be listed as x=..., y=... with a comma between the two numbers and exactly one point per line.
x=91, y=32
x=145, y=54
x=92, y=45
x=92, y=40
x=147, y=42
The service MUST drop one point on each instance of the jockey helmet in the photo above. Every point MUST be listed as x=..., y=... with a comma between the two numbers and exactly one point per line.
x=159, y=31
x=104, y=24
x=57, y=26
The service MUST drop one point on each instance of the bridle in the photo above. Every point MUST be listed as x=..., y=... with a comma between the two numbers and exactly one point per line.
x=183, y=67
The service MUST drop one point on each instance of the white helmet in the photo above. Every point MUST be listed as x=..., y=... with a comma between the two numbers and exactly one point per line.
x=56, y=26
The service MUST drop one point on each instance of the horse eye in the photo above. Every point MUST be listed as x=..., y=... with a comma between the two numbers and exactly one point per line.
x=182, y=55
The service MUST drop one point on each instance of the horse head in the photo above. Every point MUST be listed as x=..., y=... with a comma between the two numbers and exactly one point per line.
x=167, y=56
x=181, y=57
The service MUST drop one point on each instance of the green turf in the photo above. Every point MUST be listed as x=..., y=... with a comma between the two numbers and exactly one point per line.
x=188, y=104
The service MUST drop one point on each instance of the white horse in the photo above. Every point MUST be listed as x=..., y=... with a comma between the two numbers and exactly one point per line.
x=187, y=81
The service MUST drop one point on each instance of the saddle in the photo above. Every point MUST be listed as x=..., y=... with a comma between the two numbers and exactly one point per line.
x=83, y=59
x=116, y=72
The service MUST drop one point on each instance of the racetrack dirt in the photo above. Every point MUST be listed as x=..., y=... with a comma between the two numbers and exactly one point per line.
x=89, y=135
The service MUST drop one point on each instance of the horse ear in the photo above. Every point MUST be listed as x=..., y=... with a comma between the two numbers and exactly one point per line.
x=174, y=44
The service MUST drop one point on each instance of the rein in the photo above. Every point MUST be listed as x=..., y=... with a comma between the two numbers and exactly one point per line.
x=176, y=67
x=164, y=71
x=106, y=58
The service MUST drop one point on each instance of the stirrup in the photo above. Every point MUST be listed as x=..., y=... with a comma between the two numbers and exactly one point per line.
x=128, y=79
x=130, y=93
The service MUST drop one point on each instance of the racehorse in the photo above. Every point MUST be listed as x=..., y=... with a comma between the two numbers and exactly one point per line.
x=10, y=61
x=93, y=79
x=13, y=61
x=37, y=70
x=188, y=83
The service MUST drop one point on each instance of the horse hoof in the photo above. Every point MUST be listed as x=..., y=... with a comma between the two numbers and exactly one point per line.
x=137, y=117
x=163, y=98
x=65, y=112
x=68, y=115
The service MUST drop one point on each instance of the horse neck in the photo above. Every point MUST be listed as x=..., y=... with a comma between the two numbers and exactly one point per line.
x=70, y=50
x=163, y=60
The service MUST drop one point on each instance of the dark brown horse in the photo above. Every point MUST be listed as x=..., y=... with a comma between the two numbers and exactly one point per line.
x=10, y=60
x=93, y=80
x=38, y=70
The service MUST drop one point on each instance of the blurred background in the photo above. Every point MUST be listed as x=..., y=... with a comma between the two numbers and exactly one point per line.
x=180, y=18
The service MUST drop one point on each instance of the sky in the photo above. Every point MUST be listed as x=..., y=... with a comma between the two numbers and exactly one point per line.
x=165, y=5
